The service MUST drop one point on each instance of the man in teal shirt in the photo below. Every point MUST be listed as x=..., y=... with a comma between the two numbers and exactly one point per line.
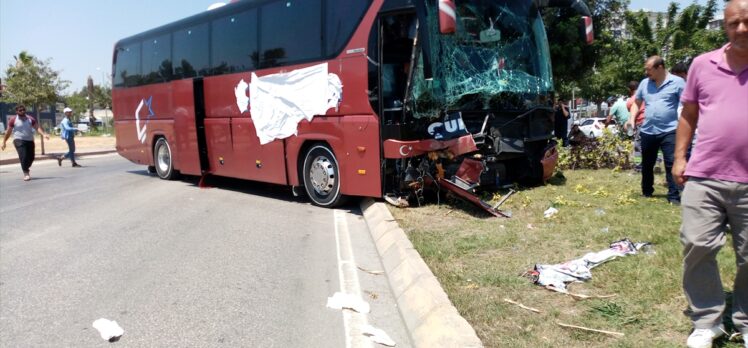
x=618, y=111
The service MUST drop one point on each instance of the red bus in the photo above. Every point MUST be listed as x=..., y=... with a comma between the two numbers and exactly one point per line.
x=342, y=97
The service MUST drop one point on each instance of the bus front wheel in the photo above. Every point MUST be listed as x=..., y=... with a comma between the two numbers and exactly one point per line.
x=321, y=176
x=162, y=159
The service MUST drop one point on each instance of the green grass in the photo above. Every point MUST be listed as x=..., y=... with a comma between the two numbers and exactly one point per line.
x=479, y=261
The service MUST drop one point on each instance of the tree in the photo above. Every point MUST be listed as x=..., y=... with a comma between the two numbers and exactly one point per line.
x=678, y=36
x=31, y=81
x=79, y=102
x=572, y=60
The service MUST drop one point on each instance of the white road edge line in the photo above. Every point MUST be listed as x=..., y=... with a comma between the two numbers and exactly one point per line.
x=353, y=322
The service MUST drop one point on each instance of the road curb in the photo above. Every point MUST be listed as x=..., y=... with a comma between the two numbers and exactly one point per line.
x=431, y=319
x=50, y=156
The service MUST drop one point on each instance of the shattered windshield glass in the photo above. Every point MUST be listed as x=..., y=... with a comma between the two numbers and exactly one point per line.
x=498, y=56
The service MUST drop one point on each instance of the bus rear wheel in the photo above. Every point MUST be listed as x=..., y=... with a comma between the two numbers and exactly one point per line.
x=321, y=176
x=163, y=160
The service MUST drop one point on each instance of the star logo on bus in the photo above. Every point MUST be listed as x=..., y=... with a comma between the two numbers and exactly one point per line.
x=141, y=131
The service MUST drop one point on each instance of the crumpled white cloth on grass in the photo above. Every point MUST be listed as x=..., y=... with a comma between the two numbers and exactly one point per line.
x=278, y=102
x=579, y=269
x=340, y=300
x=108, y=329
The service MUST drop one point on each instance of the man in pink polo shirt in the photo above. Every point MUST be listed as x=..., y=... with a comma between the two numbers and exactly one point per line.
x=716, y=178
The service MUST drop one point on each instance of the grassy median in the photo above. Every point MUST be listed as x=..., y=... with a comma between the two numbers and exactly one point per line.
x=479, y=261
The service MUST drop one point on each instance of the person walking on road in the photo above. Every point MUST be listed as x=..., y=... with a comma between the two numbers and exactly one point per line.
x=716, y=179
x=661, y=91
x=67, y=133
x=22, y=126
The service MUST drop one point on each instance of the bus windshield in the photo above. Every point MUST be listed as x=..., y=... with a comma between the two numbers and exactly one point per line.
x=498, y=55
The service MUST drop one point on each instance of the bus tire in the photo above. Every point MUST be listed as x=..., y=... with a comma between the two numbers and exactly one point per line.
x=163, y=160
x=321, y=175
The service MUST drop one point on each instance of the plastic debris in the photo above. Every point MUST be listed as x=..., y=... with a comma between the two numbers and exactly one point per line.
x=557, y=276
x=530, y=227
x=599, y=211
x=340, y=300
x=550, y=212
x=108, y=329
x=400, y=202
x=605, y=229
x=378, y=336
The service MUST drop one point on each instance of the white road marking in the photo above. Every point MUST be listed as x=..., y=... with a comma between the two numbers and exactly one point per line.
x=352, y=321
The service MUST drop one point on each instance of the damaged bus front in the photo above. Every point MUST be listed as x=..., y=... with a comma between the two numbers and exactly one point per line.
x=465, y=93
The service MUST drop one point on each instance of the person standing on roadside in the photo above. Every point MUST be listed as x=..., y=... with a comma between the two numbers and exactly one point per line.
x=22, y=126
x=680, y=70
x=638, y=119
x=716, y=179
x=561, y=122
x=67, y=133
x=618, y=112
x=661, y=92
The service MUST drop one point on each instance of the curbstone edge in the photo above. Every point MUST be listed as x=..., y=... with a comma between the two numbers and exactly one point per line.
x=430, y=317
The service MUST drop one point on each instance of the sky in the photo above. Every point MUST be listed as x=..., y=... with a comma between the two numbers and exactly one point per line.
x=78, y=35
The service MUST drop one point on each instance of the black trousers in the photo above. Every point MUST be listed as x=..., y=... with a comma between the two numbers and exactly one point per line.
x=651, y=144
x=26, y=153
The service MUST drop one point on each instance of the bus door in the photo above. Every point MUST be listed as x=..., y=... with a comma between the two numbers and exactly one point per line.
x=396, y=45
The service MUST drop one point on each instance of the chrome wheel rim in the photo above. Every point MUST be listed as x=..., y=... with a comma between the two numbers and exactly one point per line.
x=322, y=175
x=163, y=158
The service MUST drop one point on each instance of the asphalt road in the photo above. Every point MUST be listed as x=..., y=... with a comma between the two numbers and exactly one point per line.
x=240, y=264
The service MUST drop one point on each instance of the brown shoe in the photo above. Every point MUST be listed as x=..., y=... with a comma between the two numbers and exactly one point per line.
x=59, y=161
x=77, y=165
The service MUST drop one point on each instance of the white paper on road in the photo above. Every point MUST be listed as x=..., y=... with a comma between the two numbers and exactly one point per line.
x=340, y=300
x=378, y=336
x=278, y=102
x=108, y=329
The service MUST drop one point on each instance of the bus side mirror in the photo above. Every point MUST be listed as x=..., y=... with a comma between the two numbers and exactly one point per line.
x=447, y=17
x=585, y=28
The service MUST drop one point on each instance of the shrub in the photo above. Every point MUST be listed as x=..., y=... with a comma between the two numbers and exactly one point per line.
x=608, y=151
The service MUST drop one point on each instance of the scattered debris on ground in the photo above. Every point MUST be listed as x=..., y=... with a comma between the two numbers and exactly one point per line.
x=550, y=212
x=555, y=277
x=522, y=306
x=611, y=333
x=378, y=336
x=370, y=271
x=340, y=300
x=108, y=329
x=400, y=202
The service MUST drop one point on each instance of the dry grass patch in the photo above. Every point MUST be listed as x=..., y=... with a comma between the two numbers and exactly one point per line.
x=479, y=259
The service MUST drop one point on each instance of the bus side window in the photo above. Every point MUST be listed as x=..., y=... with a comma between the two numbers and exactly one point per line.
x=157, y=59
x=127, y=66
x=190, y=52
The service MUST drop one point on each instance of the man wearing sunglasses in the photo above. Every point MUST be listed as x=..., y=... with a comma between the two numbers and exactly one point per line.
x=23, y=126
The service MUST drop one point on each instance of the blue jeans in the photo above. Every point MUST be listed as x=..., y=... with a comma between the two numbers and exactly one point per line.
x=651, y=144
x=71, y=149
